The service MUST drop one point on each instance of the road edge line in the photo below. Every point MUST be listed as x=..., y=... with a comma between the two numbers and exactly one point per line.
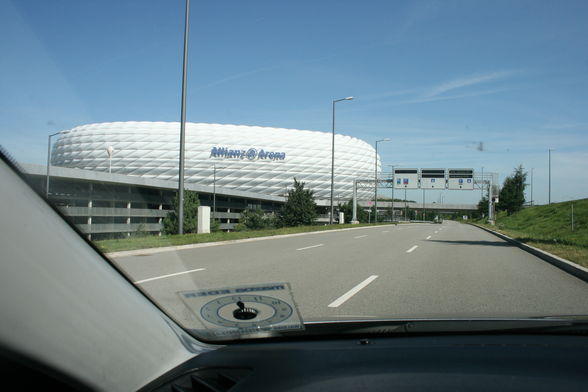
x=566, y=265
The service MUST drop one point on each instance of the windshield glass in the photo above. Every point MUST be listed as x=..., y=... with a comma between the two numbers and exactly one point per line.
x=255, y=167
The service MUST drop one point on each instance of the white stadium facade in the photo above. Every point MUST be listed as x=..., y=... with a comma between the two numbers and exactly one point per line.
x=260, y=160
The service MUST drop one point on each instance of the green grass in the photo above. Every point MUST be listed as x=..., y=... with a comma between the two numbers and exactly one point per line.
x=549, y=228
x=175, y=240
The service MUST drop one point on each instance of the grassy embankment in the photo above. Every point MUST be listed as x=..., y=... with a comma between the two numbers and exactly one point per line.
x=549, y=227
x=144, y=242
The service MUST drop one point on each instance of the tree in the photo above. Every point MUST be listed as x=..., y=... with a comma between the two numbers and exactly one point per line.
x=214, y=225
x=512, y=194
x=255, y=220
x=191, y=204
x=483, y=207
x=300, y=209
x=347, y=210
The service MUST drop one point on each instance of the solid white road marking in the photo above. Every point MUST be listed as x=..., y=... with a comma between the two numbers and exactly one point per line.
x=168, y=276
x=342, y=299
x=310, y=247
x=361, y=236
x=385, y=231
x=411, y=249
x=428, y=237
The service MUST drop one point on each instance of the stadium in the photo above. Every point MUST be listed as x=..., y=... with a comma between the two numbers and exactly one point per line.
x=120, y=178
x=254, y=159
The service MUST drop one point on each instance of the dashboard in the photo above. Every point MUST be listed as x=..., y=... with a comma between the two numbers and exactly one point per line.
x=421, y=363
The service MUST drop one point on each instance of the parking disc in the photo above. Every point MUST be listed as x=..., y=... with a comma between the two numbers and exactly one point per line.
x=244, y=311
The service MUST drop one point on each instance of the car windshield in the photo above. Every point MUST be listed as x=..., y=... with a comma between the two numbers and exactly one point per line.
x=256, y=168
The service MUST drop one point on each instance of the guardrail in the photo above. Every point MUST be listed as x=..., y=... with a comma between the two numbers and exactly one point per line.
x=114, y=212
x=99, y=228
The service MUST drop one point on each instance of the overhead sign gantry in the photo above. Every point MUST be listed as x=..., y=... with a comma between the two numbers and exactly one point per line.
x=460, y=179
x=433, y=179
x=454, y=179
x=403, y=178
x=406, y=178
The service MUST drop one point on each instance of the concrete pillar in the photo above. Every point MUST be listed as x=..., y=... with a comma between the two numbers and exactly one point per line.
x=89, y=219
x=129, y=218
x=160, y=220
x=203, y=219
x=341, y=218
x=354, y=220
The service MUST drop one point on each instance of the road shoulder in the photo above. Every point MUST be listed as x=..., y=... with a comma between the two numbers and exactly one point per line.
x=566, y=265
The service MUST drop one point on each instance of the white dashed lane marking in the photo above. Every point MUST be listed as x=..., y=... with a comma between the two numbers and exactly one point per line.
x=342, y=299
x=169, y=276
x=411, y=249
x=310, y=247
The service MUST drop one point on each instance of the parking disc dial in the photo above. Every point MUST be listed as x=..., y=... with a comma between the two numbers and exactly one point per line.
x=246, y=311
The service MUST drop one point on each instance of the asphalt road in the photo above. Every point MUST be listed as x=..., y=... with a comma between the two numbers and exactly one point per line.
x=405, y=271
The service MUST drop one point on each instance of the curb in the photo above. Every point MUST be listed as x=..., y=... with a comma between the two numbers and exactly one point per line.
x=572, y=268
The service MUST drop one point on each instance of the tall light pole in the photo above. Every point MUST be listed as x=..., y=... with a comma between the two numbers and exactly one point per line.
x=550, y=175
x=333, y=156
x=49, y=161
x=405, y=206
x=482, y=187
x=424, y=204
x=532, y=203
x=183, y=126
x=214, y=192
x=376, y=180
x=392, y=166
x=110, y=151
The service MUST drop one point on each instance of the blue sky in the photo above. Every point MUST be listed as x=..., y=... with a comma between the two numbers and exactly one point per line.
x=473, y=84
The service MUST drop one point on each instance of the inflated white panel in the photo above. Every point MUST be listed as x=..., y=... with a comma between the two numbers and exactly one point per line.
x=247, y=158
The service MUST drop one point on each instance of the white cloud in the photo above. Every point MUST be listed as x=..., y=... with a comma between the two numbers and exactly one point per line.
x=438, y=92
x=466, y=82
x=426, y=98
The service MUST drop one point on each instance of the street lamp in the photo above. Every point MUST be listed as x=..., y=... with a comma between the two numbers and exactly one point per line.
x=551, y=149
x=49, y=161
x=214, y=192
x=482, y=180
x=376, y=179
x=333, y=156
x=110, y=151
x=183, y=126
x=532, y=203
x=392, y=166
